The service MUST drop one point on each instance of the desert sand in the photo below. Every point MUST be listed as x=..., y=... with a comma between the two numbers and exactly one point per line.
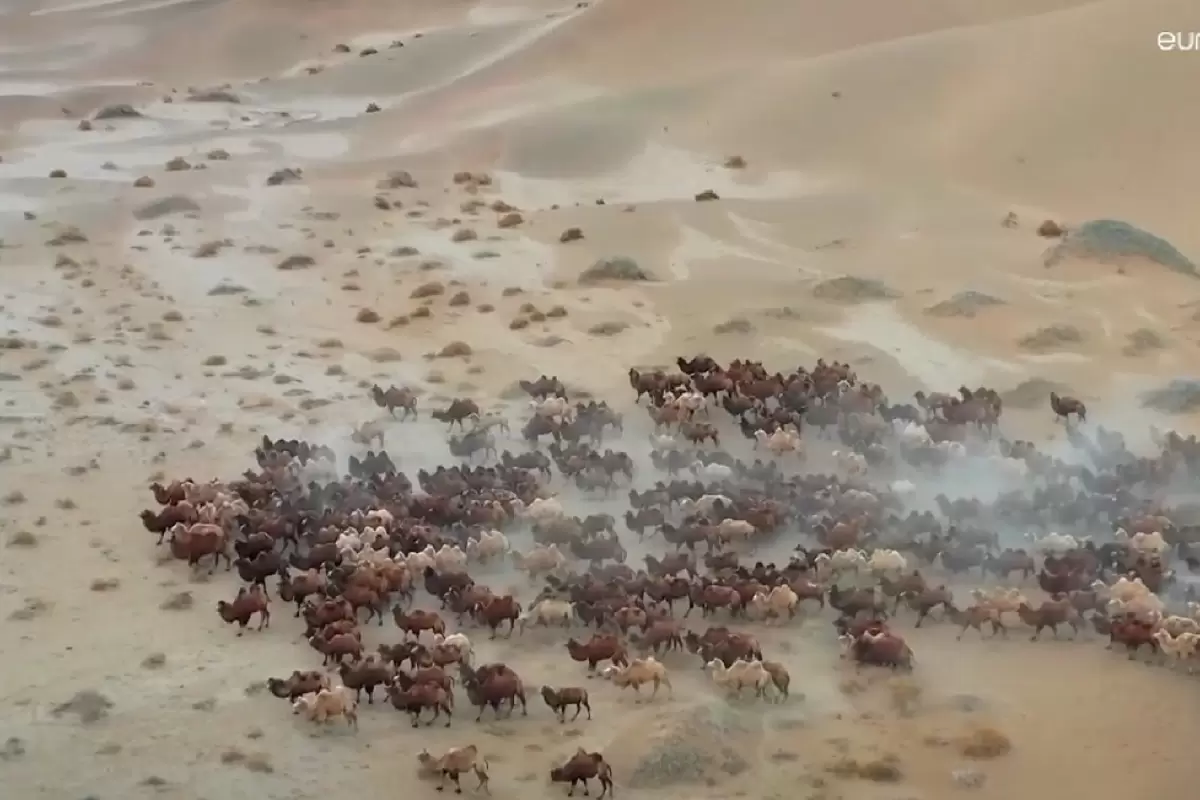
x=234, y=245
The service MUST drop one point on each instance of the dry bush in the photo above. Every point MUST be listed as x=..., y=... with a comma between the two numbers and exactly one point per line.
x=259, y=762
x=455, y=350
x=22, y=539
x=984, y=742
x=880, y=770
x=154, y=661
x=905, y=694
x=89, y=705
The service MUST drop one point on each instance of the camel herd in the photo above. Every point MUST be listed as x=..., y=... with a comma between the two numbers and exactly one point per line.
x=822, y=507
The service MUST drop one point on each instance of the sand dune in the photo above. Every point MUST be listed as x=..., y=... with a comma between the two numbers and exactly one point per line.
x=884, y=147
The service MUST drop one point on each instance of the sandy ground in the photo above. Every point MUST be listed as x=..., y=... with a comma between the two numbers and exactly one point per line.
x=161, y=328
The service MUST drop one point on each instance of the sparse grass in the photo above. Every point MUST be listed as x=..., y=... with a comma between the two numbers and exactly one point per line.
x=905, y=694
x=33, y=608
x=180, y=601
x=611, y=328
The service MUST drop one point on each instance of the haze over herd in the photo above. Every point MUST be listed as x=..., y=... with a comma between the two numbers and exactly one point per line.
x=666, y=400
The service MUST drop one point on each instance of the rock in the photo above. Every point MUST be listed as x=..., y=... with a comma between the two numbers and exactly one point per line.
x=464, y=235
x=367, y=316
x=165, y=206
x=964, y=304
x=178, y=164
x=287, y=175
x=85, y=125
x=224, y=289
x=734, y=325
x=1053, y=337
x=1033, y=393
x=460, y=299
x=373, y=108
x=520, y=323
x=510, y=220
x=1141, y=341
x=1113, y=242
x=214, y=96
x=297, y=261
x=58, y=173
x=849, y=290
x=735, y=162
x=117, y=111
x=707, y=195
x=144, y=182
x=614, y=268
x=404, y=251
x=1050, y=229
x=217, y=155
x=570, y=235
x=1180, y=396
x=556, y=312
x=397, y=179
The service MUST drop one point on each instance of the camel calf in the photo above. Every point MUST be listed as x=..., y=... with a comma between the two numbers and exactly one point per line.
x=321, y=706
x=453, y=763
